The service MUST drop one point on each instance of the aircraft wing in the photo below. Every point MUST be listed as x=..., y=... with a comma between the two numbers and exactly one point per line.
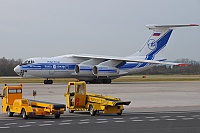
x=127, y=59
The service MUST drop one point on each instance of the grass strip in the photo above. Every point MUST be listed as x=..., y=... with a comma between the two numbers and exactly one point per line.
x=135, y=78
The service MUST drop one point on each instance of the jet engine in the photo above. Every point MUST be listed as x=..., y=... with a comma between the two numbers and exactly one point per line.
x=100, y=70
x=84, y=70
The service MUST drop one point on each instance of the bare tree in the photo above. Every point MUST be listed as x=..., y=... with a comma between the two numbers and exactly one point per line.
x=7, y=66
x=192, y=69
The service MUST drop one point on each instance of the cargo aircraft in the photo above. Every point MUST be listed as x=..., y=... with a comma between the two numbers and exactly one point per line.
x=99, y=68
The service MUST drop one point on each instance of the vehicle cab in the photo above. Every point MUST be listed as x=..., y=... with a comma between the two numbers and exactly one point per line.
x=9, y=95
x=76, y=95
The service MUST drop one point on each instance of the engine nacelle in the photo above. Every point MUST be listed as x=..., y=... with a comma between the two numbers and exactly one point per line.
x=84, y=70
x=100, y=70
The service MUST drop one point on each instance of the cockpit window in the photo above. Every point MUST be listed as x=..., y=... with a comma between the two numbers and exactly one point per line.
x=28, y=62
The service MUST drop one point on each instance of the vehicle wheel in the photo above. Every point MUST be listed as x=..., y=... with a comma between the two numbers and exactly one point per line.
x=57, y=115
x=10, y=114
x=24, y=116
x=71, y=111
x=120, y=113
x=92, y=112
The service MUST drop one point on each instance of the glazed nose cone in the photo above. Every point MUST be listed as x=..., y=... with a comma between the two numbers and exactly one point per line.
x=17, y=69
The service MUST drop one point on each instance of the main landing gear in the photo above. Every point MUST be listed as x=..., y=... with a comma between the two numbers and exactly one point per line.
x=100, y=81
x=48, y=81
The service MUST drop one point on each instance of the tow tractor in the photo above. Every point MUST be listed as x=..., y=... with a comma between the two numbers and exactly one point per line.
x=77, y=99
x=12, y=102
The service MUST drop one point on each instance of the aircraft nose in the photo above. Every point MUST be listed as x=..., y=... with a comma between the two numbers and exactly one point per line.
x=17, y=69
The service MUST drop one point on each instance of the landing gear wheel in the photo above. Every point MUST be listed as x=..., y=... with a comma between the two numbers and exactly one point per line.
x=57, y=115
x=48, y=81
x=71, y=111
x=24, y=116
x=92, y=112
x=107, y=81
x=120, y=113
x=10, y=114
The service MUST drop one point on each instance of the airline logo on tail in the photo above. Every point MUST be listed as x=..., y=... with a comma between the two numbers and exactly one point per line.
x=152, y=44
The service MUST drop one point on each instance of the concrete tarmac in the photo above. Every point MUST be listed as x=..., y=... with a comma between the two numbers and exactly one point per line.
x=144, y=96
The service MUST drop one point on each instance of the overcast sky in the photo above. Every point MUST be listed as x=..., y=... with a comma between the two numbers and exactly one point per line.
x=45, y=28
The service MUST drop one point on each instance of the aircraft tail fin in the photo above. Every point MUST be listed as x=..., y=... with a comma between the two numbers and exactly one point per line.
x=154, y=46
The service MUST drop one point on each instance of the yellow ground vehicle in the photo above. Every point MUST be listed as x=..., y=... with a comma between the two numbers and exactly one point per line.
x=80, y=100
x=12, y=102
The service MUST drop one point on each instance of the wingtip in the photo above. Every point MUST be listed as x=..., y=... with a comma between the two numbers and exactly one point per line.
x=194, y=25
x=183, y=65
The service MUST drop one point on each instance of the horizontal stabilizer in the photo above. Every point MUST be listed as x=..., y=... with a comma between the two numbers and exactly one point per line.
x=169, y=26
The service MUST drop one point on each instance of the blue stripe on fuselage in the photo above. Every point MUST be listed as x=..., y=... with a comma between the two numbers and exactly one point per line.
x=63, y=66
x=48, y=66
x=71, y=66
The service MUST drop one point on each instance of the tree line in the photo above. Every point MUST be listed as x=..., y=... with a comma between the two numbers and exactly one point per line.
x=7, y=66
x=192, y=69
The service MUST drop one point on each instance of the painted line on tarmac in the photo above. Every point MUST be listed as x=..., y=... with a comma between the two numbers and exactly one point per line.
x=4, y=127
x=41, y=125
x=64, y=123
x=162, y=112
x=187, y=118
x=137, y=120
x=7, y=119
x=195, y=115
x=25, y=126
x=165, y=116
x=102, y=119
x=170, y=119
x=154, y=119
x=99, y=122
x=119, y=121
x=10, y=124
x=180, y=116
x=49, y=121
x=149, y=117
x=118, y=118
x=31, y=122
x=133, y=118
x=86, y=122
x=73, y=116
x=67, y=120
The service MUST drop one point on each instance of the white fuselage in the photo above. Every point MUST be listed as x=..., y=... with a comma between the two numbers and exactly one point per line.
x=64, y=67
